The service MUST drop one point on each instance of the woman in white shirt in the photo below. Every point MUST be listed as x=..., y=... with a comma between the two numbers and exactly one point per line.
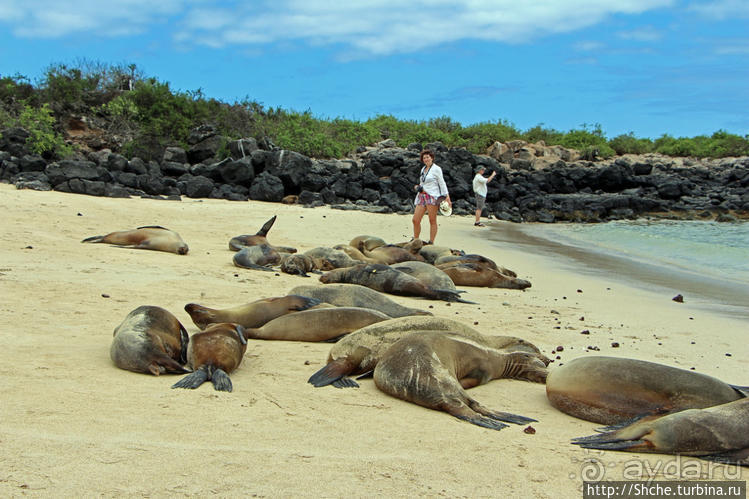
x=431, y=191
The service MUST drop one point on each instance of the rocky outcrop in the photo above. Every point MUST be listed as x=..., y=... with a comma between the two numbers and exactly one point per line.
x=534, y=182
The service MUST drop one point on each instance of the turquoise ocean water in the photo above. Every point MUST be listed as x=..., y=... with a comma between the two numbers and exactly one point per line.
x=708, y=260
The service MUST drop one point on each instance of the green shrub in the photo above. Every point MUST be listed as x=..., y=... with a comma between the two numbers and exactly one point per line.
x=629, y=144
x=43, y=139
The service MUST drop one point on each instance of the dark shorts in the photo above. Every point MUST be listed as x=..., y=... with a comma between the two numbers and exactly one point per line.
x=480, y=202
x=424, y=199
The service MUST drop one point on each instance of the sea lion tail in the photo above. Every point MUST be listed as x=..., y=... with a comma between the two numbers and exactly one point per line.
x=94, y=239
x=266, y=227
x=221, y=381
x=331, y=373
x=193, y=380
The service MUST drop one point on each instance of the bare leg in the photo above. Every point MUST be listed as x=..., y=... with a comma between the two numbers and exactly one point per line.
x=478, y=216
x=419, y=210
x=432, y=213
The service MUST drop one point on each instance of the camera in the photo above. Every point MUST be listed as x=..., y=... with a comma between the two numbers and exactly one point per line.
x=419, y=188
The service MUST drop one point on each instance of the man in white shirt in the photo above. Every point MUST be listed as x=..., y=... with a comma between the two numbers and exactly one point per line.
x=479, y=188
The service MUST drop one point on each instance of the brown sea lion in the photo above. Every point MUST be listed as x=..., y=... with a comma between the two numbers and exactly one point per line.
x=431, y=252
x=238, y=242
x=152, y=237
x=299, y=264
x=370, y=242
x=427, y=273
x=359, y=352
x=253, y=314
x=434, y=369
x=213, y=355
x=611, y=390
x=473, y=274
x=719, y=433
x=389, y=254
x=414, y=245
x=443, y=261
x=150, y=340
x=354, y=295
x=258, y=257
x=321, y=324
x=388, y=280
x=335, y=259
x=354, y=253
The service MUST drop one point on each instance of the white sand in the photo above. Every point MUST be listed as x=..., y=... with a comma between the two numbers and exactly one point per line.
x=73, y=424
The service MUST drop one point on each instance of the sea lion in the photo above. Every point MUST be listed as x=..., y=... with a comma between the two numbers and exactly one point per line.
x=354, y=253
x=359, y=352
x=152, y=237
x=354, y=295
x=388, y=280
x=433, y=369
x=258, y=257
x=717, y=433
x=298, y=264
x=389, y=254
x=474, y=274
x=370, y=242
x=431, y=252
x=611, y=390
x=414, y=245
x=444, y=260
x=427, y=273
x=253, y=314
x=335, y=259
x=150, y=340
x=238, y=242
x=213, y=355
x=322, y=324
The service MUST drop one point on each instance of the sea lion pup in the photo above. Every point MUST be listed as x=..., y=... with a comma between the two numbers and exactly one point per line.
x=152, y=237
x=389, y=254
x=238, y=242
x=335, y=259
x=370, y=242
x=431, y=252
x=717, y=433
x=611, y=390
x=388, y=280
x=253, y=314
x=150, y=340
x=354, y=253
x=427, y=273
x=213, y=355
x=354, y=295
x=259, y=257
x=359, y=352
x=433, y=369
x=298, y=264
x=475, y=274
x=319, y=324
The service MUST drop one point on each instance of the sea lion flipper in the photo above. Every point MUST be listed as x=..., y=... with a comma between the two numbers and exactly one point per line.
x=743, y=390
x=266, y=227
x=345, y=383
x=331, y=372
x=93, y=239
x=193, y=380
x=478, y=419
x=366, y=375
x=221, y=381
x=739, y=457
x=498, y=415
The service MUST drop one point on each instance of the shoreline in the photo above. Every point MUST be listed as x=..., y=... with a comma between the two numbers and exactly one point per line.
x=708, y=292
x=69, y=414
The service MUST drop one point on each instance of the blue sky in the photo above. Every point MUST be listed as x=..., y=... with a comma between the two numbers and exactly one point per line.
x=644, y=66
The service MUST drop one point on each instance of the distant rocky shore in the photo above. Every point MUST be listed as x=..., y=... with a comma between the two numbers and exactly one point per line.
x=534, y=182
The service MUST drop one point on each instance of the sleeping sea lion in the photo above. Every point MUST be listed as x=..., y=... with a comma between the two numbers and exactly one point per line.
x=213, y=355
x=354, y=253
x=258, y=257
x=434, y=369
x=717, y=433
x=443, y=261
x=389, y=254
x=298, y=264
x=414, y=245
x=370, y=242
x=475, y=274
x=431, y=252
x=253, y=314
x=238, y=242
x=388, y=280
x=427, y=273
x=150, y=340
x=335, y=259
x=321, y=324
x=353, y=295
x=359, y=352
x=611, y=390
x=151, y=237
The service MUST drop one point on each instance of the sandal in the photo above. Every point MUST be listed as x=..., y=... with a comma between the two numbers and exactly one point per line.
x=479, y=224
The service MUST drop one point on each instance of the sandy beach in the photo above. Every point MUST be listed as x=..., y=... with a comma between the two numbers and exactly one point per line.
x=75, y=425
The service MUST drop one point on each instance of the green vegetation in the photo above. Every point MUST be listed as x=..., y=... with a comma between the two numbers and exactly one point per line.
x=146, y=115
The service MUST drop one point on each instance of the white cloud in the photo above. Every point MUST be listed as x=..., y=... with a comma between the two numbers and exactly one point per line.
x=642, y=34
x=374, y=27
x=722, y=9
